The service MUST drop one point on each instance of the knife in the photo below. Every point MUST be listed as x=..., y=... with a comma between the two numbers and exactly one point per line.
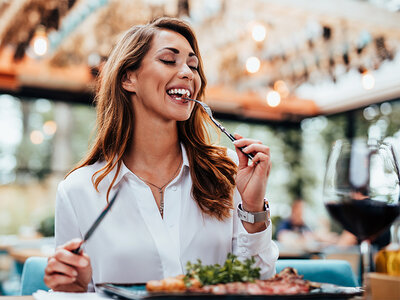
x=96, y=223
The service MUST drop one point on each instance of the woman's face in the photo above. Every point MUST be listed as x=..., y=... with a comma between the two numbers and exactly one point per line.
x=168, y=69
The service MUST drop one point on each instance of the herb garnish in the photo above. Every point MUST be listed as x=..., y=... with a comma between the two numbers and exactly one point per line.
x=233, y=270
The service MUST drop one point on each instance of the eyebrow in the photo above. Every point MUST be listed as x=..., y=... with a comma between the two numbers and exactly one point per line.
x=176, y=51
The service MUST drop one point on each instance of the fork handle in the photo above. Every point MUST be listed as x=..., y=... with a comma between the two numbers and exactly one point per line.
x=231, y=137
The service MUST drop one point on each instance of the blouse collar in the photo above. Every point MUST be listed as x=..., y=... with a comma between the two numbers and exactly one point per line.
x=124, y=171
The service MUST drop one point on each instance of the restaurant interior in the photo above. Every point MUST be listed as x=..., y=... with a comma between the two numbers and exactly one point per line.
x=297, y=75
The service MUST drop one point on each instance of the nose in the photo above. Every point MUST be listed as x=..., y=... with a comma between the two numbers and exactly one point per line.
x=186, y=72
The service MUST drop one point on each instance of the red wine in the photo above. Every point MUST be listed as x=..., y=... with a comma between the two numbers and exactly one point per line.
x=364, y=218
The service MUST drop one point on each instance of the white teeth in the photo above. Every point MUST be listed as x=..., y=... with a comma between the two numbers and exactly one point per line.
x=180, y=92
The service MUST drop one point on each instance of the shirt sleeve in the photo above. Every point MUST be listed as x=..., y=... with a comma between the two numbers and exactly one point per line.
x=259, y=245
x=66, y=222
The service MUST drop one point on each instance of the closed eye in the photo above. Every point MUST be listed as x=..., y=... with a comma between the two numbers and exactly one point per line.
x=168, y=62
x=172, y=62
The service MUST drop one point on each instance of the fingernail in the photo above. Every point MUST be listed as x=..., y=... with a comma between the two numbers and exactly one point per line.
x=74, y=273
x=83, y=263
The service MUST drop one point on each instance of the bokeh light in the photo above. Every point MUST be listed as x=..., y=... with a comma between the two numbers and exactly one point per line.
x=273, y=98
x=50, y=127
x=40, y=45
x=258, y=32
x=36, y=137
x=370, y=113
x=368, y=81
x=281, y=87
x=253, y=64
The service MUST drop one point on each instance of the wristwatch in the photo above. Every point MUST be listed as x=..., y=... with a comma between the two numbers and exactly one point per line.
x=255, y=217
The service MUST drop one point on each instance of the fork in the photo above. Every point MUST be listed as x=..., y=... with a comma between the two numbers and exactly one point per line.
x=222, y=128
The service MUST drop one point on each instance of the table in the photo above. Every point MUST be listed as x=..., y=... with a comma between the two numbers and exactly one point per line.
x=16, y=298
x=31, y=298
x=21, y=255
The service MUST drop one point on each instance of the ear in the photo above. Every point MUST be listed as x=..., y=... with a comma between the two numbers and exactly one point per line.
x=129, y=81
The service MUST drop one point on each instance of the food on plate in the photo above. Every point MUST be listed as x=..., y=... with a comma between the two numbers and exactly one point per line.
x=171, y=284
x=287, y=282
x=233, y=270
x=234, y=277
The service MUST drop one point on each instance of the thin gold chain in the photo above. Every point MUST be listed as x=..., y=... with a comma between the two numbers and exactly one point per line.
x=161, y=189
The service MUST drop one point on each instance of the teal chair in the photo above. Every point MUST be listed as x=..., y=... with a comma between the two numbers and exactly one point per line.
x=32, y=275
x=333, y=271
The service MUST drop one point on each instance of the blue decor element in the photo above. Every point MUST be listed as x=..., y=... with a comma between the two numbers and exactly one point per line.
x=333, y=271
x=32, y=275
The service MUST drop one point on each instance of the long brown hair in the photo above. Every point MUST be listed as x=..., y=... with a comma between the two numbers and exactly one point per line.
x=212, y=172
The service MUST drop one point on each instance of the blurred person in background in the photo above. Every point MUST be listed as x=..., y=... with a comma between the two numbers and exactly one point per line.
x=293, y=231
x=178, y=194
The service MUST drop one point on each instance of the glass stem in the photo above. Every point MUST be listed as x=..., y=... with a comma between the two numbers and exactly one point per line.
x=365, y=249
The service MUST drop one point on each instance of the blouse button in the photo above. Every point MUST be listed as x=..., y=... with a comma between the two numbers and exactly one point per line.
x=174, y=188
x=245, y=239
x=244, y=250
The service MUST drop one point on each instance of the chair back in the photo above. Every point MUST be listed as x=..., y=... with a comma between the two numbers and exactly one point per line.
x=32, y=275
x=333, y=271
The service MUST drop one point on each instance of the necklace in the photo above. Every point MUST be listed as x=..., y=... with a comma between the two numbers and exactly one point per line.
x=161, y=188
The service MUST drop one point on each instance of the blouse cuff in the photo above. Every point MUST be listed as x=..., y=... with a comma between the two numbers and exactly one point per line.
x=250, y=244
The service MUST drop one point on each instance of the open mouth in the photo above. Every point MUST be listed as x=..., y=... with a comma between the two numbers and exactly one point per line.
x=177, y=94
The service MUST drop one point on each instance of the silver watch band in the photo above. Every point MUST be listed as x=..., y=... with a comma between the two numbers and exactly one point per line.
x=255, y=217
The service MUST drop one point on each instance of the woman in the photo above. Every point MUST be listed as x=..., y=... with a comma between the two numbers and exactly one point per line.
x=178, y=194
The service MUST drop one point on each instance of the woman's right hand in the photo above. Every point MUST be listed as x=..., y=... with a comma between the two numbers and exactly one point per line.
x=66, y=271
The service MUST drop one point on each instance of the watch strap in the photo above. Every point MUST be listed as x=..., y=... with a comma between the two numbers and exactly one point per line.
x=255, y=217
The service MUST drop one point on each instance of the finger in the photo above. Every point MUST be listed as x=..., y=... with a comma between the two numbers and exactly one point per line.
x=54, y=280
x=255, y=148
x=55, y=266
x=262, y=160
x=67, y=257
x=72, y=244
x=243, y=159
x=243, y=142
x=237, y=136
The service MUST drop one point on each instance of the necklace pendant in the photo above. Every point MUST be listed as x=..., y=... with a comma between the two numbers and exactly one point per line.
x=161, y=208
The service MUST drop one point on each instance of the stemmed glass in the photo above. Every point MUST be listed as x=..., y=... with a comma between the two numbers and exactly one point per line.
x=361, y=190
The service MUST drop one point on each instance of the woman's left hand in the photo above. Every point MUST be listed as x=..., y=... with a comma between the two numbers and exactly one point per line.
x=252, y=175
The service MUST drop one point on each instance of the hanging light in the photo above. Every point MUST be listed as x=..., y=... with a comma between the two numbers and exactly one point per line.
x=258, y=32
x=368, y=80
x=253, y=64
x=273, y=98
x=40, y=42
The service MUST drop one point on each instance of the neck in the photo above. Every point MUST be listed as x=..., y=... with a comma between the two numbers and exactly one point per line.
x=155, y=146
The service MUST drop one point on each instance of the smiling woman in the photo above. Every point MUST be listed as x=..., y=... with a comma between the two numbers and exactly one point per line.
x=178, y=194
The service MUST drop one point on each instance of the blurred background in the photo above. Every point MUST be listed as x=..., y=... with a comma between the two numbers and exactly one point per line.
x=295, y=74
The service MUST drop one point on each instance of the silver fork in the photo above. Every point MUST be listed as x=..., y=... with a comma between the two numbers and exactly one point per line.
x=222, y=128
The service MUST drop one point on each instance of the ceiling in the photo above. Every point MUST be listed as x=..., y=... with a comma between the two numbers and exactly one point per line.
x=319, y=51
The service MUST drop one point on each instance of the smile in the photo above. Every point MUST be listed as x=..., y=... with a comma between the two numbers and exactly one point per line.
x=178, y=93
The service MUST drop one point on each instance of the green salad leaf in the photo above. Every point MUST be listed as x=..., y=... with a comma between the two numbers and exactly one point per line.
x=233, y=270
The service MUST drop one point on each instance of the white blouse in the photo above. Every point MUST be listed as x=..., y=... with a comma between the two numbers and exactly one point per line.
x=134, y=244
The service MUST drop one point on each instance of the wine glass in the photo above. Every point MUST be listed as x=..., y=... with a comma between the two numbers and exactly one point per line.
x=361, y=190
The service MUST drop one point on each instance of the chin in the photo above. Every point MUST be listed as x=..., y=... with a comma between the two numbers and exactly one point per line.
x=182, y=119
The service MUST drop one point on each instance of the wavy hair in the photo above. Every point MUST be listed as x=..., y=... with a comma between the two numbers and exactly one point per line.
x=212, y=171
